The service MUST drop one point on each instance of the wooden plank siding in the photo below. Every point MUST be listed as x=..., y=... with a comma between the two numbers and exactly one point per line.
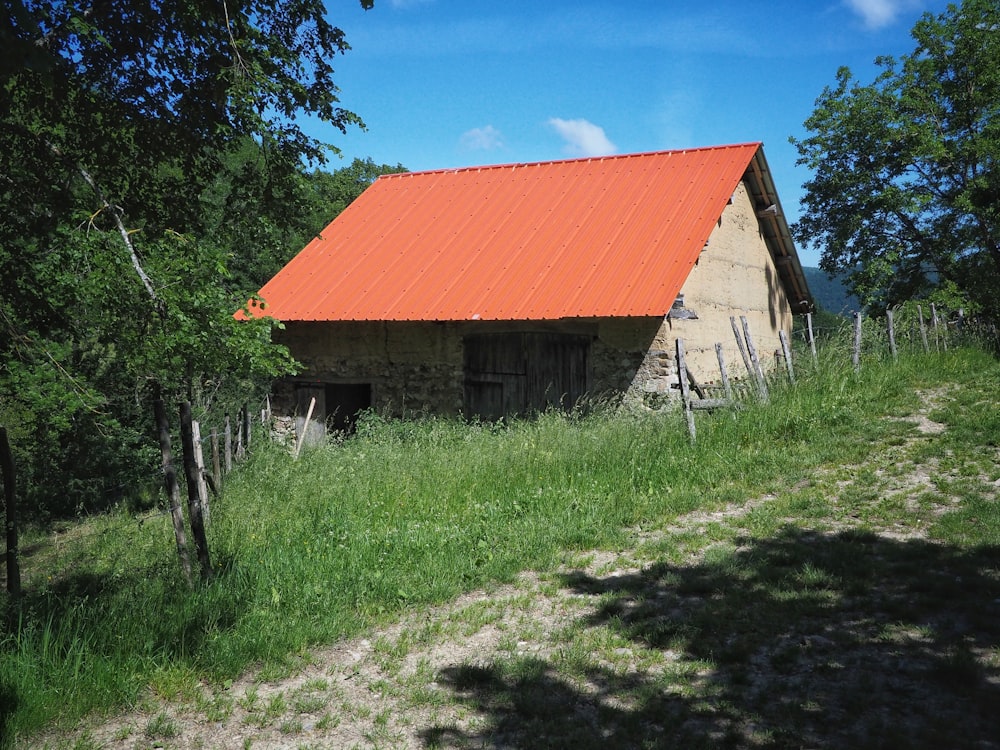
x=521, y=373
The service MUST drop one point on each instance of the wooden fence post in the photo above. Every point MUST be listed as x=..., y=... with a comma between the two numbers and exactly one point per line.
x=742, y=347
x=923, y=329
x=685, y=393
x=265, y=412
x=216, y=461
x=812, y=338
x=752, y=350
x=238, y=454
x=199, y=462
x=10, y=515
x=194, y=500
x=856, y=355
x=940, y=339
x=787, y=353
x=726, y=387
x=247, y=425
x=170, y=485
x=892, y=333
x=228, y=444
x=305, y=426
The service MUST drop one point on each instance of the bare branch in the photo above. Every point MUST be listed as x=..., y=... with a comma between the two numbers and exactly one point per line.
x=126, y=235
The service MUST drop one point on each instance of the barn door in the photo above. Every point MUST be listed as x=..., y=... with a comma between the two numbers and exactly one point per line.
x=495, y=375
x=557, y=370
x=521, y=373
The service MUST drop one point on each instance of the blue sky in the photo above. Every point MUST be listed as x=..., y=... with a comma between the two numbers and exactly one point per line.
x=449, y=83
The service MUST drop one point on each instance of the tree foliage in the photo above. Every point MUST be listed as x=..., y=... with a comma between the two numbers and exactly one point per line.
x=905, y=192
x=151, y=173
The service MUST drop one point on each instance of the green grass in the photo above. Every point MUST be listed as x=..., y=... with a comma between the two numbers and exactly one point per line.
x=414, y=513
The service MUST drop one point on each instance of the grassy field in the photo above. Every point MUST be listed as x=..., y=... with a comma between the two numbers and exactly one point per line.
x=872, y=528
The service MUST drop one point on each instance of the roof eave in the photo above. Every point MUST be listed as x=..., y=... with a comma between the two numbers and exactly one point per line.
x=776, y=233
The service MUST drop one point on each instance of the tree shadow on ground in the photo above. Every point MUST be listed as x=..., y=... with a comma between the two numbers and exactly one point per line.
x=8, y=705
x=846, y=640
x=80, y=608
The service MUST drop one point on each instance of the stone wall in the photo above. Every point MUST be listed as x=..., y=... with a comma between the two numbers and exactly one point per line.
x=412, y=367
x=418, y=367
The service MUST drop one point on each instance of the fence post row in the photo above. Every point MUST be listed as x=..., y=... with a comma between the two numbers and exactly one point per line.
x=198, y=478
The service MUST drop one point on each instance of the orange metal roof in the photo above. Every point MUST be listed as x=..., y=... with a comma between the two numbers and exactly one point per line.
x=610, y=236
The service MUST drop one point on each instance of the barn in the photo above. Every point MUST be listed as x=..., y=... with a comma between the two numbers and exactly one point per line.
x=501, y=290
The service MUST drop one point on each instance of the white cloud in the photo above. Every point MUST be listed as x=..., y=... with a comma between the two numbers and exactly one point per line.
x=482, y=139
x=878, y=13
x=583, y=138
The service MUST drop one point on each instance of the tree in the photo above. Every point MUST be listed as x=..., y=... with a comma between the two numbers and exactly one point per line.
x=905, y=192
x=116, y=121
x=264, y=220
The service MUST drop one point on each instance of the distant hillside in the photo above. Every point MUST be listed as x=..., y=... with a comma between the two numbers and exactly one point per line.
x=830, y=294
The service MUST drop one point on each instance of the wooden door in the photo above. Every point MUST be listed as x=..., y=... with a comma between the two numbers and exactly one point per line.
x=522, y=373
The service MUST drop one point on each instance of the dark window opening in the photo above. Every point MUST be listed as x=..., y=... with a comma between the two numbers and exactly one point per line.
x=336, y=407
x=344, y=401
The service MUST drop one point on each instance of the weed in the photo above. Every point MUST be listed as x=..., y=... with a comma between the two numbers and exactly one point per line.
x=216, y=709
x=161, y=726
x=290, y=726
x=276, y=706
x=309, y=703
x=248, y=701
x=327, y=721
x=123, y=732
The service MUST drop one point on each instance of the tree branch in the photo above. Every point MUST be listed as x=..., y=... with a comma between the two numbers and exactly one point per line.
x=115, y=212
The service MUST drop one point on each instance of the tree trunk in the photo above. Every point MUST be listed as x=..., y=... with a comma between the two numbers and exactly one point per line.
x=170, y=484
x=10, y=504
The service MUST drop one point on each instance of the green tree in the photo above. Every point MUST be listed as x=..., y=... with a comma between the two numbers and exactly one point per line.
x=905, y=190
x=116, y=283
x=264, y=218
x=333, y=191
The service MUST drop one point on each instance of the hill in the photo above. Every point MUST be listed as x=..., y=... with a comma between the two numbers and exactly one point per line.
x=831, y=294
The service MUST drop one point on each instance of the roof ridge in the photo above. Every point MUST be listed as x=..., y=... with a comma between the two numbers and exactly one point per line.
x=577, y=159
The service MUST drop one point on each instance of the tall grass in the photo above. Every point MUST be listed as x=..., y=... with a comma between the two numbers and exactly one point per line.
x=409, y=513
